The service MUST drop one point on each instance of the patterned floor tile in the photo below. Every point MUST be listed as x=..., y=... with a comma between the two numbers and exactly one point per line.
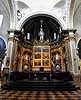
x=40, y=95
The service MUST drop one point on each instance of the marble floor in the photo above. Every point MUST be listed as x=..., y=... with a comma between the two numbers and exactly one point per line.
x=42, y=95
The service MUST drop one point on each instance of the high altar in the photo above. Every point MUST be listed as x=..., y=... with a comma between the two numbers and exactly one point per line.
x=41, y=54
x=41, y=45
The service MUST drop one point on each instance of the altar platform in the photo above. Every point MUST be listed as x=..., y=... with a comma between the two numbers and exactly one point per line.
x=40, y=81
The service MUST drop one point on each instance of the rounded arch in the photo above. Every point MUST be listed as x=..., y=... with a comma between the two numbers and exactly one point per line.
x=79, y=48
x=79, y=39
x=4, y=41
x=52, y=15
x=12, y=11
x=71, y=11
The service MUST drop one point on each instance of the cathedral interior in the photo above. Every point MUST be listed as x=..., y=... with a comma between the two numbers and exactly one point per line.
x=40, y=49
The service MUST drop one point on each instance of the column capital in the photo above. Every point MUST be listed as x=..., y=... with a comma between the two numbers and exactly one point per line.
x=11, y=33
x=72, y=30
x=69, y=30
x=13, y=30
x=72, y=33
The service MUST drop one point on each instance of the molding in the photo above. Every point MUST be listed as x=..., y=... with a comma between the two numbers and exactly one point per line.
x=70, y=30
x=12, y=30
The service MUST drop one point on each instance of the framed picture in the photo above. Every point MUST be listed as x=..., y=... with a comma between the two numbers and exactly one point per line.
x=45, y=56
x=46, y=49
x=37, y=63
x=37, y=49
x=37, y=56
x=45, y=62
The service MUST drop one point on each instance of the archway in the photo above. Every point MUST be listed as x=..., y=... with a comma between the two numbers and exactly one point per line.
x=79, y=51
x=2, y=52
x=51, y=14
x=41, y=32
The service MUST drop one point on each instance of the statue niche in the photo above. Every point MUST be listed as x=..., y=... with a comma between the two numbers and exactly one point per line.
x=26, y=61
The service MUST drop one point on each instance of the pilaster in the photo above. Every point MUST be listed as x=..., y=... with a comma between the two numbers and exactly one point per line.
x=68, y=55
x=10, y=49
x=74, y=57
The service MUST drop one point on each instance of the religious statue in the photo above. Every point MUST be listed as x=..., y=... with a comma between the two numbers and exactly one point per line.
x=41, y=33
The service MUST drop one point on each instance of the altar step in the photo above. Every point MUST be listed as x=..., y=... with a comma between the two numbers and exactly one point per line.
x=40, y=85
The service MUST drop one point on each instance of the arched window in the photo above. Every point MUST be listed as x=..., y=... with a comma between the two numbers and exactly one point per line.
x=79, y=48
x=28, y=36
x=54, y=36
x=1, y=19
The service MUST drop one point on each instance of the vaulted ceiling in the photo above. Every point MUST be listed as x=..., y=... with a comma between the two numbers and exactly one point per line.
x=5, y=20
x=33, y=4
x=8, y=10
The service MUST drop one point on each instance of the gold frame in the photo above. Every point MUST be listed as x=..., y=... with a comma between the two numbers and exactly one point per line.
x=44, y=57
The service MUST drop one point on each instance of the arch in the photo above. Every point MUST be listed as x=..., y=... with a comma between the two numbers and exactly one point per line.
x=52, y=15
x=12, y=11
x=71, y=11
x=22, y=4
x=78, y=42
x=79, y=48
x=4, y=41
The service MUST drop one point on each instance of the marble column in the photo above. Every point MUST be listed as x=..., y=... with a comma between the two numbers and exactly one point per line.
x=74, y=57
x=67, y=55
x=14, y=54
x=10, y=49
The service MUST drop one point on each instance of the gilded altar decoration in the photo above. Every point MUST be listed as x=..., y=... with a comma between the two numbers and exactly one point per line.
x=41, y=47
x=41, y=58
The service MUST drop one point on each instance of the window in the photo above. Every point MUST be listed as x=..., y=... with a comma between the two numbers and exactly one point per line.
x=54, y=36
x=28, y=36
x=1, y=19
